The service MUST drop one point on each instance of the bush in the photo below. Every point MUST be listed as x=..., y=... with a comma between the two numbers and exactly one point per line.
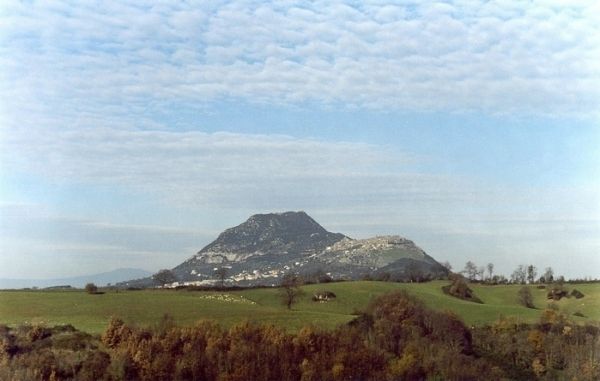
x=73, y=341
x=577, y=294
x=525, y=297
x=91, y=288
x=460, y=289
x=579, y=313
x=323, y=296
x=557, y=293
x=38, y=332
x=94, y=366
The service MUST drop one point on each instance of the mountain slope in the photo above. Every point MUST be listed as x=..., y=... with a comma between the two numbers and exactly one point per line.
x=266, y=246
x=263, y=234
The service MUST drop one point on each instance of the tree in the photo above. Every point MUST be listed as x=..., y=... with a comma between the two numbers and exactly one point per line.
x=490, y=269
x=221, y=273
x=164, y=277
x=519, y=275
x=549, y=275
x=531, y=274
x=525, y=297
x=290, y=289
x=91, y=288
x=470, y=270
x=480, y=273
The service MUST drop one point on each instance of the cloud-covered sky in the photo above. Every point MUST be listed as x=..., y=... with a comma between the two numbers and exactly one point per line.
x=131, y=134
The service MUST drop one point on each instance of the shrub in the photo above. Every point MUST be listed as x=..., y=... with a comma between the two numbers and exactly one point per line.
x=38, y=332
x=91, y=288
x=577, y=294
x=115, y=333
x=525, y=297
x=557, y=293
x=460, y=289
x=94, y=366
x=323, y=296
x=73, y=341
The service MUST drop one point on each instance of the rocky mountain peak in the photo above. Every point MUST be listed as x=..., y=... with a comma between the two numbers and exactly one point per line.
x=300, y=221
x=266, y=246
x=274, y=233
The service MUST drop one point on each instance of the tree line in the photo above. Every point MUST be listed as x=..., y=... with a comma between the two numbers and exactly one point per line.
x=522, y=274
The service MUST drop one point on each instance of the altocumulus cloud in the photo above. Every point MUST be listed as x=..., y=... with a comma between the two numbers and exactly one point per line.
x=83, y=88
x=532, y=58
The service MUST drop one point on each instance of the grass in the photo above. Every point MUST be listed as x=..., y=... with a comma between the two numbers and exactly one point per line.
x=91, y=312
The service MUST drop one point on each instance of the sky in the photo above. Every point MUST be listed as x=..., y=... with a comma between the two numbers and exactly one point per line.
x=133, y=133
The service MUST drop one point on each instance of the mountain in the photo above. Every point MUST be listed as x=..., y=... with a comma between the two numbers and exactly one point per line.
x=275, y=234
x=101, y=279
x=266, y=246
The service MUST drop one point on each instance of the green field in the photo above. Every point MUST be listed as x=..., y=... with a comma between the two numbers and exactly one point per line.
x=92, y=312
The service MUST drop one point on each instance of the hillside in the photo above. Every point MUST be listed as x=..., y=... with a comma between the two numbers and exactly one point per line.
x=92, y=312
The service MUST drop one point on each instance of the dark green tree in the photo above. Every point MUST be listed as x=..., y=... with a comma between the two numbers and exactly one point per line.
x=164, y=277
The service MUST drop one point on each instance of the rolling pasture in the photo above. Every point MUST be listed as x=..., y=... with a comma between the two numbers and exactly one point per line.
x=91, y=312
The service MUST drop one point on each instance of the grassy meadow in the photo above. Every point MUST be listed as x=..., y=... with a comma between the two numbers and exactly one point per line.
x=91, y=312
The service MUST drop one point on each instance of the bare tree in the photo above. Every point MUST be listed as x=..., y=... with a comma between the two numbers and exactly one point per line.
x=164, y=276
x=290, y=289
x=549, y=275
x=480, y=273
x=519, y=275
x=470, y=271
x=531, y=274
x=221, y=273
x=490, y=269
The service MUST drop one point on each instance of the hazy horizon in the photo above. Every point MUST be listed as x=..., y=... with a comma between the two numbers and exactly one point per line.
x=131, y=135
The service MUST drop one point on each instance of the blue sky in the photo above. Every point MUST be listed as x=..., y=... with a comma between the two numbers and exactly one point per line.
x=131, y=134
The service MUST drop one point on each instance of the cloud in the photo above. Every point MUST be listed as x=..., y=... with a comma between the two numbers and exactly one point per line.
x=222, y=169
x=528, y=58
x=355, y=188
x=88, y=95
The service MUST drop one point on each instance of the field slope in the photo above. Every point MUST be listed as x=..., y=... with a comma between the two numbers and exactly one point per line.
x=92, y=312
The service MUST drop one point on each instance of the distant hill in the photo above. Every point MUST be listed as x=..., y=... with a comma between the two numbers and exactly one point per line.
x=101, y=279
x=266, y=246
